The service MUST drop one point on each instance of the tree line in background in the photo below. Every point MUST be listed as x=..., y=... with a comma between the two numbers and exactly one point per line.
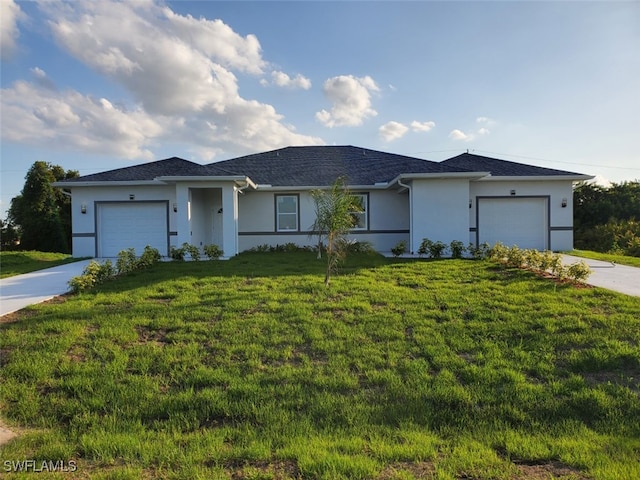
x=607, y=219
x=40, y=217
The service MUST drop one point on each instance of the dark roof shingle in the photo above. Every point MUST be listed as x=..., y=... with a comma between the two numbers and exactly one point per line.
x=146, y=171
x=501, y=168
x=322, y=165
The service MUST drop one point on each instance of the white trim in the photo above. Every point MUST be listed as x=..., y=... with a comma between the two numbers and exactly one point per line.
x=535, y=178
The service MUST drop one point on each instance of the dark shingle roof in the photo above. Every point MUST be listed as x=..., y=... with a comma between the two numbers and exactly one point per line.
x=501, y=168
x=146, y=171
x=322, y=165
x=317, y=166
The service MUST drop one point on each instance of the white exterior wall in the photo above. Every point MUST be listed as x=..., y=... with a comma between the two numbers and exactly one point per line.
x=84, y=224
x=560, y=218
x=388, y=219
x=440, y=210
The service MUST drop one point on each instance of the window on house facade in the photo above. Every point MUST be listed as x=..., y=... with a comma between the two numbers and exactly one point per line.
x=287, y=213
x=360, y=219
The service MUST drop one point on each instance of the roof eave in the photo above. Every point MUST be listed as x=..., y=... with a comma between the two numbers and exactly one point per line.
x=240, y=179
x=286, y=188
x=107, y=183
x=526, y=178
x=439, y=175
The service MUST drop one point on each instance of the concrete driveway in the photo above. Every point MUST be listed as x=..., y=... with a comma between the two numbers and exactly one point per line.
x=35, y=287
x=611, y=276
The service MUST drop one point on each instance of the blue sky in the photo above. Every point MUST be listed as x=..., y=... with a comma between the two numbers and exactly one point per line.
x=92, y=86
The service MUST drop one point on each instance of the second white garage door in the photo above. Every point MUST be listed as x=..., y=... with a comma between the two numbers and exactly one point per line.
x=122, y=225
x=521, y=221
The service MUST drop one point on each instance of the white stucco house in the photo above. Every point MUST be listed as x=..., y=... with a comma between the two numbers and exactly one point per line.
x=265, y=198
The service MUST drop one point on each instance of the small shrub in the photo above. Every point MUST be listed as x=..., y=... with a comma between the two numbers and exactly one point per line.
x=579, y=271
x=177, y=253
x=437, y=249
x=457, y=249
x=546, y=261
x=425, y=247
x=214, y=252
x=533, y=259
x=192, y=251
x=93, y=274
x=498, y=252
x=515, y=257
x=149, y=257
x=126, y=262
x=556, y=267
x=399, y=249
x=355, y=247
x=479, y=252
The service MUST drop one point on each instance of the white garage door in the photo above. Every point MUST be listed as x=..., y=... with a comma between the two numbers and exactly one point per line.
x=131, y=225
x=517, y=221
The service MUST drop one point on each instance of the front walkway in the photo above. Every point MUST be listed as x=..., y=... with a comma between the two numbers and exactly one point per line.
x=21, y=291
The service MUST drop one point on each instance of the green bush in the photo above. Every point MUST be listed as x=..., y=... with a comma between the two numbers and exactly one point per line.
x=457, y=249
x=177, y=253
x=399, y=249
x=579, y=271
x=214, y=252
x=515, y=257
x=425, y=247
x=93, y=274
x=479, y=252
x=437, y=249
x=180, y=253
x=127, y=261
x=149, y=257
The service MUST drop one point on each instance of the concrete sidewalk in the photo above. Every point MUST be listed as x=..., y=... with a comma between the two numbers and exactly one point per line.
x=23, y=290
x=611, y=276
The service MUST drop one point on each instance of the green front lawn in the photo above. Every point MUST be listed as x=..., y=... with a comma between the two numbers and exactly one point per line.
x=401, y=369
x=19, y=262
x=607, y=257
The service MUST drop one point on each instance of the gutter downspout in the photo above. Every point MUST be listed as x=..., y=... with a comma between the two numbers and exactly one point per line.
x=408, y=187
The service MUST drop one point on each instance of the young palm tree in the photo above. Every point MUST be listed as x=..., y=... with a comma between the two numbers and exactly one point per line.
x=335, y=216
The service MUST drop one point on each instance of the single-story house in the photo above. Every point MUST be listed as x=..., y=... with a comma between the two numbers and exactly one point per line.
x=265, y=198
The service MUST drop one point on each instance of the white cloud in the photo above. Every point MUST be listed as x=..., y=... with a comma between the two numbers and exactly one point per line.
x=70, y=120
x=281, y=79
x=178, y=70
x=422, y=126
x=460, y=135
x=484, y=131
x=485, y=120
x=392, y=131
x=10, y=15
x=351, y=100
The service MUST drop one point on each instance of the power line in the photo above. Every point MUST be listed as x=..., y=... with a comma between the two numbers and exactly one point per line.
x=557, y=161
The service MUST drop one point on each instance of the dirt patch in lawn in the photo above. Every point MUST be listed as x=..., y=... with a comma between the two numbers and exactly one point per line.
x=5, y=434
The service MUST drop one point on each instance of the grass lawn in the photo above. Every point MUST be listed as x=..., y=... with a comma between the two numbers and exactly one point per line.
x=19, y=262
x=252, y=369
x=607, y=257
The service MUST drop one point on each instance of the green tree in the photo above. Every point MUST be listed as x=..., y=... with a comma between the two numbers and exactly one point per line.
x=334, y=209
x=607, y=218
x=43, y=212
x=9, y=236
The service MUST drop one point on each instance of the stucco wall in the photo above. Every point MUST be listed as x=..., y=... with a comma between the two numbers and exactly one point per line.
x=388, y=219
x=440, y=210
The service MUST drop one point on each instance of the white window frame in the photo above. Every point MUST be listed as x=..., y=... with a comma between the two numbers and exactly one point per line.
x=365, y=213
x=296, y=197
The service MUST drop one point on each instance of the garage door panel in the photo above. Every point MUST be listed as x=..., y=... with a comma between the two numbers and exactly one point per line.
x=131, y=225
x=514, y=221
